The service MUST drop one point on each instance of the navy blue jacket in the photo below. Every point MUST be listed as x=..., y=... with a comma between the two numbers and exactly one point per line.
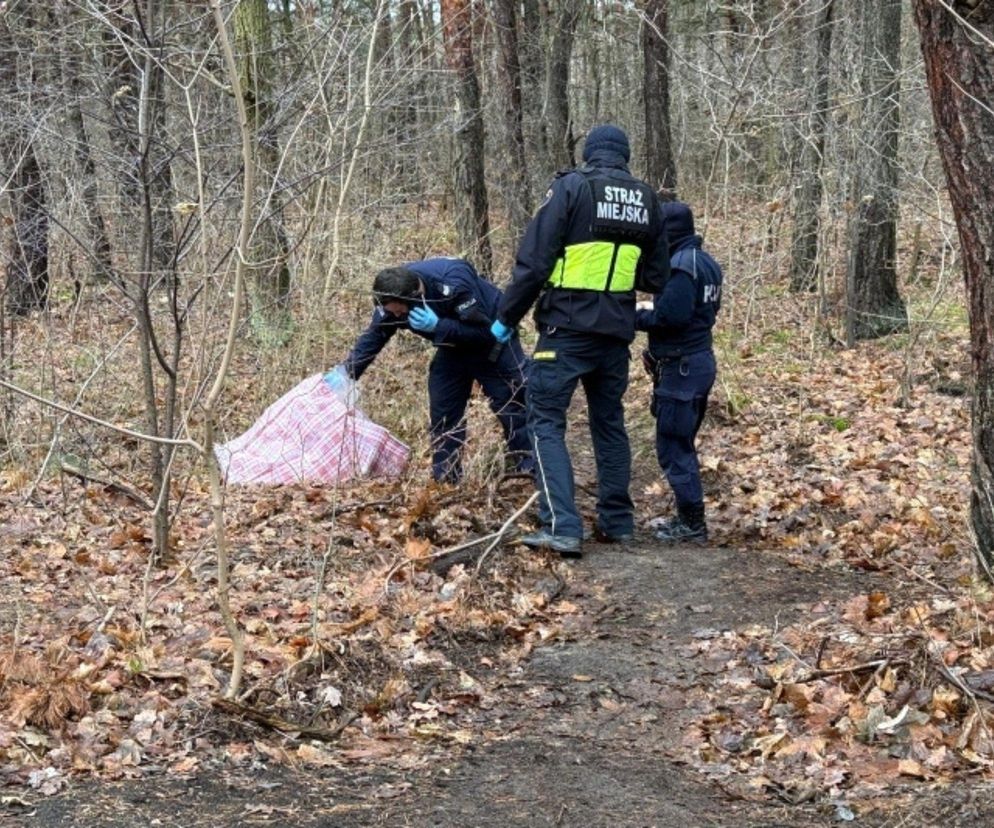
x=684, y=311
x=465, y=303
x=565, y=218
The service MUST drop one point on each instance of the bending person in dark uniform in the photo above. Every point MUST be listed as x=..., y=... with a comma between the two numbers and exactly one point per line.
x=446, y=302
x=681, y=361
x=596, y=239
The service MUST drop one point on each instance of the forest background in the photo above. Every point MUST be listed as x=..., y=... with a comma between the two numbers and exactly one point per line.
x=196, y=196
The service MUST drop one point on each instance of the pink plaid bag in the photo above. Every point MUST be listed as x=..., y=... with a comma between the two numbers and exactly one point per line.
x=309, y=434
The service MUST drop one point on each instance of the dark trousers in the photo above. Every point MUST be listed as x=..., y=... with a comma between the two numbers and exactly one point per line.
x=561, y=360
x=680, y=398
x=450, y=383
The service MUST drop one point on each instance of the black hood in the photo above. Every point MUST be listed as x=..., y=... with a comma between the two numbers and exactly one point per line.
x=606, y=145
x=678, y=219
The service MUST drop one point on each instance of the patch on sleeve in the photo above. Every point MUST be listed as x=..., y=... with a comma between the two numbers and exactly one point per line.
x=446, y=290
x=465, y=306
x=545, y=356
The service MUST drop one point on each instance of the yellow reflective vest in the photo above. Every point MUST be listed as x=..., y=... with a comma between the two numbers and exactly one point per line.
x=621, y=224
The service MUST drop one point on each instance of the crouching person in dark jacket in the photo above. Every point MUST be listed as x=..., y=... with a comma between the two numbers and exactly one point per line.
x=445, y=301
x=681, y=360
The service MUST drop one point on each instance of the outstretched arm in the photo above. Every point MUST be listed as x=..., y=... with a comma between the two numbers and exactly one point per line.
x=370, y=342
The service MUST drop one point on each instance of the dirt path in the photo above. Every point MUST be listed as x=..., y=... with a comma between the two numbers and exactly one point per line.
x=584, y=736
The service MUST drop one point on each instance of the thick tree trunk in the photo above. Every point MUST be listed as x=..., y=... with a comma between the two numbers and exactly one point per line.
x=268, y=279
x=558, y=122
x=27, y=268
x=660, y=170
x=472, y=219
x=874, y=306
x=517, y=190
x=960, y=73
x=807, y=202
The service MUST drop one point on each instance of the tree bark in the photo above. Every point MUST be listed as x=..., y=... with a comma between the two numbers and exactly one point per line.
x=99, y=252
x=532, y=76
x=515, y=170
x=142, y=157
x=660, y=164
x=469, y=186
x=956, y=45
x=134, y=56
x=807, y=202
x=874, y=306
x=27, y=274
x=268, y=279
x=558, y=122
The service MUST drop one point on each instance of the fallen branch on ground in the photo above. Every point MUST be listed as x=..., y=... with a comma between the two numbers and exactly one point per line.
x=276, y=723
x=445, y=559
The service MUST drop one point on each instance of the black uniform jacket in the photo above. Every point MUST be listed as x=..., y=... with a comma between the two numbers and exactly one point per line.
x=565, y=218
x=464, y=301
x=684, y=313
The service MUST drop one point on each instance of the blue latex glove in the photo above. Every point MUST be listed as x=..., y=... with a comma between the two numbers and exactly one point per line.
x=336, y=379
x=501, y=332
x=423, y=319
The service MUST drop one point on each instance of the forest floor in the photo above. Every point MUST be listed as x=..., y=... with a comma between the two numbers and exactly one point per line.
x=588, y=732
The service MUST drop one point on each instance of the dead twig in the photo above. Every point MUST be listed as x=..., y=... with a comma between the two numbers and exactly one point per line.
x=493, y=537
x=869, y=666
x=120, y=488
x=503, y=530
x=821, y=652
x=335, y=511
x=958, y=683
x=928, y=581
x=323, y=734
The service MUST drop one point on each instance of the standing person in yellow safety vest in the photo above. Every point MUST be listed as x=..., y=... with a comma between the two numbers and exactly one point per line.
x=596, y=239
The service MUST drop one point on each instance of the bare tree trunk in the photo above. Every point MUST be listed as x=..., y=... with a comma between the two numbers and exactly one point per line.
x=472, y=219
x=660, y=170
x=532, y=75
x=71, y=68
x=134, y=73
x=517, y=190
x=27, y=266
x=268, y=281
x=158, y=264
x=807, y=202
x=408, y=46
x=874, y=306
x=559, y=124
x=957, y=48
x=134, y=54
x=27, y=270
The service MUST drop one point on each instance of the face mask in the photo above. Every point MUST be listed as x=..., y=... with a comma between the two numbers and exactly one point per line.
x=411, y=301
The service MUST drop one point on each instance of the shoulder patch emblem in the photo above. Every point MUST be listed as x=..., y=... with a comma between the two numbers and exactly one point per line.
x=446, y=290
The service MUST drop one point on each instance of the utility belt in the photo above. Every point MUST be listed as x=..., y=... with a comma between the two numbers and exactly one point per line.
x=655, y=365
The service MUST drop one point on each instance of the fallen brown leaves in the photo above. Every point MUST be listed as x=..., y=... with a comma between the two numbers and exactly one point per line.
x=395, y=668
x=858, y=458
x=891, y=692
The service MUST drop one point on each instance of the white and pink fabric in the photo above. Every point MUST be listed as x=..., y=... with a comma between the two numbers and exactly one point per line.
x=310, y=434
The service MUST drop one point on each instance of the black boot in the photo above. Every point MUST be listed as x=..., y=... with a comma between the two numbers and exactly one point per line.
x=687, y=527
